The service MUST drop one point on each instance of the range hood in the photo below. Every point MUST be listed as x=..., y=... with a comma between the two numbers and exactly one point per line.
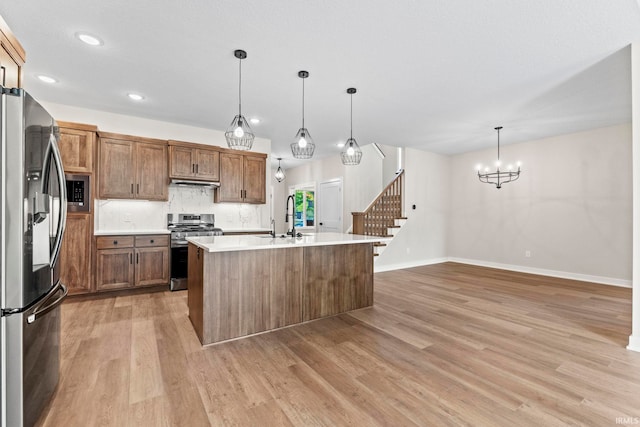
x=191, y=183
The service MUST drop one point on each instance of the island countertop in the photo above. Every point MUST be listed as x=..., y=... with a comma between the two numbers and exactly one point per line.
x=248, y=243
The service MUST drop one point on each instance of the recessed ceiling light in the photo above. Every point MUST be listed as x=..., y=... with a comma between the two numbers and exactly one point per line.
x=135, y=96
x=89, y=39
x=46, y=79
x=254, y=120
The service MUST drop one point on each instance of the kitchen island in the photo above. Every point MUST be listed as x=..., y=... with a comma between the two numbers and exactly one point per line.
x=242, y=285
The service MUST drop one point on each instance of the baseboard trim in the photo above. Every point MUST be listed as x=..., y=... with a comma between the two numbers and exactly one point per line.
x=544, y=272
x=634, y=343
x=400, y=266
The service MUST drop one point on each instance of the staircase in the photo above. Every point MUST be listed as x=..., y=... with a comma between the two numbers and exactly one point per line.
x=383, y=217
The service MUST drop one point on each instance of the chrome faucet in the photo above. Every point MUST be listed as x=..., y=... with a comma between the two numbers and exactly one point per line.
x=273, y=228
x=292, y=231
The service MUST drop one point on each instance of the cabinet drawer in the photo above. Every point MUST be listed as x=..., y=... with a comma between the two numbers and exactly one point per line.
x=152, y=240
x=114, y=242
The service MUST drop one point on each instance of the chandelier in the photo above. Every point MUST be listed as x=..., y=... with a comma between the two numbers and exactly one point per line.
x=351, y=153
x=239, y=135
x=303, y=146
x=498, y=177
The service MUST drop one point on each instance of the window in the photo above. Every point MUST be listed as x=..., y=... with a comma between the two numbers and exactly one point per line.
x=305, y=206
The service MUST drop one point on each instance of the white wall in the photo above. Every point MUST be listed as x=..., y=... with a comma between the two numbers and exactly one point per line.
x=423, y=238
x=634, y=339
x=145, y=215
x=571, y=207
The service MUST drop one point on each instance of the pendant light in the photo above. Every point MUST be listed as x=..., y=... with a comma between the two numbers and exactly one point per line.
x=303, y=146
x=239, y=135
x=498, y=177
x=279, y=173
x=351, y=153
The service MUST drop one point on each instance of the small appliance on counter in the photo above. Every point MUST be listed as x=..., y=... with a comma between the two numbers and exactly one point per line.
x=34, y=210
x=181, y=227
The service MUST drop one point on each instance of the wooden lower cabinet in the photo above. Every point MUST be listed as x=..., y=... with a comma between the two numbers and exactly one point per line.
x=114, y=269
x=129, y=261
x=75, y=253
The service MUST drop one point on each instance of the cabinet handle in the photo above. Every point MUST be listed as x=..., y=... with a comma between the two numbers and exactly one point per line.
x=193, y=168
x=138, y=188
x=198, y=253
x=137, y=258
x=152, y=241
x=196, y=168
x=4, y=75
x=131, y=188
x=130, y=258
x=115, y=242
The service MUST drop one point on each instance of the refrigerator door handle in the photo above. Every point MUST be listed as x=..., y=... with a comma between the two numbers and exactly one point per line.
x=44, y=306
x=62, y=185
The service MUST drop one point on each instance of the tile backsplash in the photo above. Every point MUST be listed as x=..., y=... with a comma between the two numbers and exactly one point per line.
x=122, y=215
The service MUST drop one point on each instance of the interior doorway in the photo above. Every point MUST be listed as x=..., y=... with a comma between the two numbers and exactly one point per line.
x=329, y=206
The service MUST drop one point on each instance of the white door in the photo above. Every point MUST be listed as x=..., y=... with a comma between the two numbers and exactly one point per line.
x=329, y=205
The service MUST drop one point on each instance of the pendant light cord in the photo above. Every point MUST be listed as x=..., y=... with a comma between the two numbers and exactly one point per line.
x=240, y=87
x=303, y=102
x=351, y=132
x=498, y=147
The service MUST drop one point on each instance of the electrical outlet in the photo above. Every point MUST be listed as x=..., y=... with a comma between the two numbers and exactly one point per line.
x=126, y=217
x=527, y=254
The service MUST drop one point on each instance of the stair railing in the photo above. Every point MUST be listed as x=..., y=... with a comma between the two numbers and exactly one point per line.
x=382, y=212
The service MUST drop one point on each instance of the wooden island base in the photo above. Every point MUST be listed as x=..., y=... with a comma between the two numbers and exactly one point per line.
x=239, y=293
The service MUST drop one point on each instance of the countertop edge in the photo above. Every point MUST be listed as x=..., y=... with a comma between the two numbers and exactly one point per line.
x=208, y=247
x=129, y=232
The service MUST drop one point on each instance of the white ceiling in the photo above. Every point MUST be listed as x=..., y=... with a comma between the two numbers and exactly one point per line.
x=434, y=75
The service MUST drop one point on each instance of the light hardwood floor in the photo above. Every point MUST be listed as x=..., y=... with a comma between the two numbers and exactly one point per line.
x=446, y=344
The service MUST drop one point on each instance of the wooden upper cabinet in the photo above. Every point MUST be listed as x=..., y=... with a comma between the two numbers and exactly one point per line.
x=77, y=144
x=115, y=171
x=254, y=179
x=242, y=178
x=193, y=161
x=151, y=169
x=231, y=179
x=12, y=57
x=131, y=167
x=208, y=165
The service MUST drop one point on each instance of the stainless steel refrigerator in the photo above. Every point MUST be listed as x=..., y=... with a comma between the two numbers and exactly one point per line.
x=33, y=215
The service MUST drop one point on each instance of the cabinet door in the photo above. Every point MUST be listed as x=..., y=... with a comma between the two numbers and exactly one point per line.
x=182, y=162
x=116, y=169
x=231, y=183
x=208, y=165
x=254, y=179
x=151, y=172
x=10, y=71
x=152, y=266
x=76, y=148
x=75, y=254
x=114, y=268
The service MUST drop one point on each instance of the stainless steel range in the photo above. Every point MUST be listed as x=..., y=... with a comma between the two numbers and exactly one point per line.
x=181, y=227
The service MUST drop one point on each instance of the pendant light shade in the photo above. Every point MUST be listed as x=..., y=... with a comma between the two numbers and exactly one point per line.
x=279, y=173
x=239, y=134
x=351, y=153
x=303, y=145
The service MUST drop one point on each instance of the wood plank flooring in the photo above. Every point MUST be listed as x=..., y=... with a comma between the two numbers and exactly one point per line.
x=446, y=344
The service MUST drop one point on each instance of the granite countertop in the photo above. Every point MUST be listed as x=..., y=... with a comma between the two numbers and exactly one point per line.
x=247, y=243
x=130, y=232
